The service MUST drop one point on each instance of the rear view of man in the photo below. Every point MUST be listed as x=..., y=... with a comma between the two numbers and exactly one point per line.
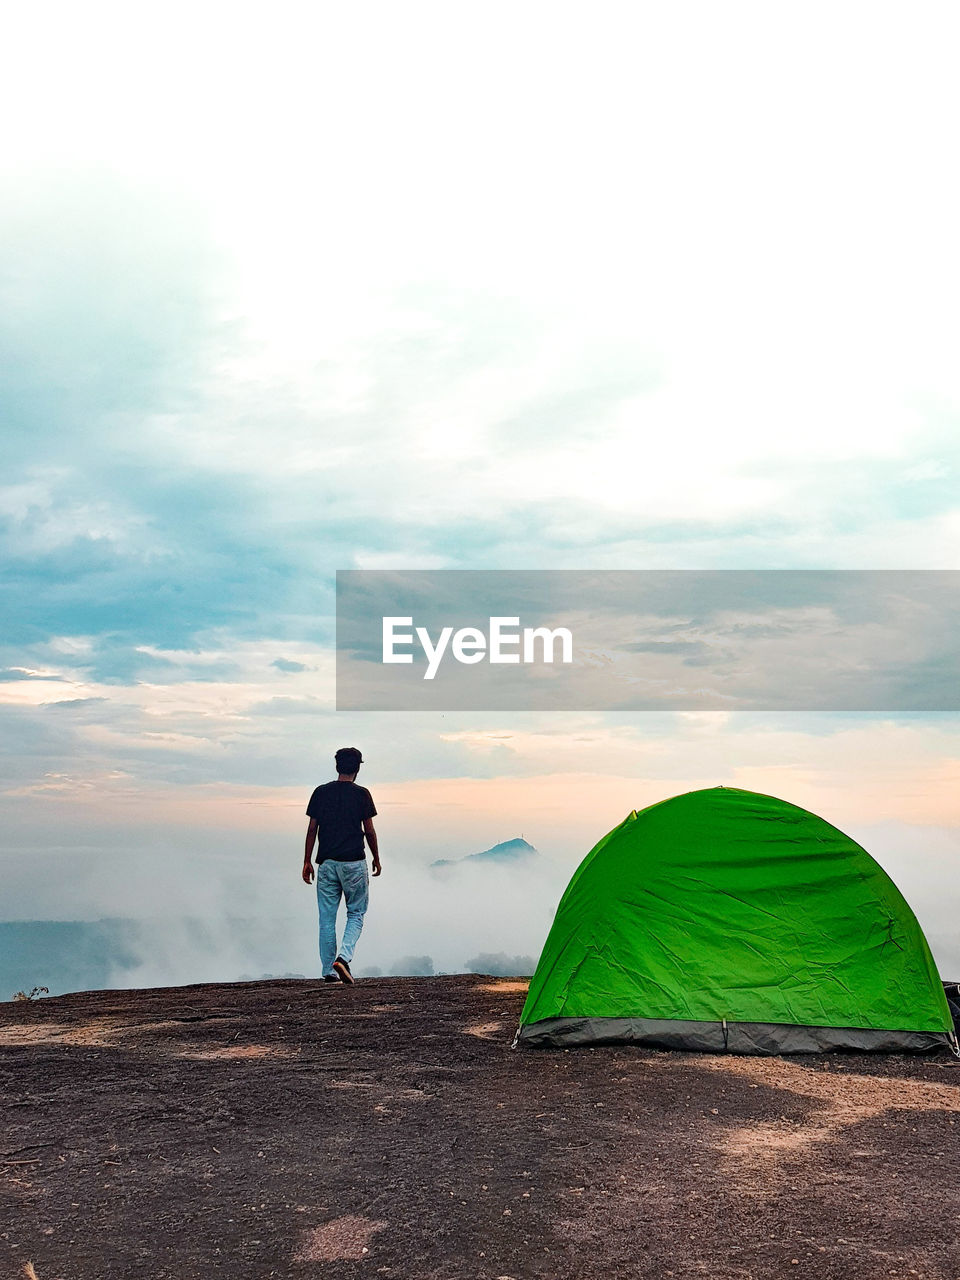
x=341, y=817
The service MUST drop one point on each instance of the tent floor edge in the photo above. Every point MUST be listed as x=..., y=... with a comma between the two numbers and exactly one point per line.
x=754, y=1038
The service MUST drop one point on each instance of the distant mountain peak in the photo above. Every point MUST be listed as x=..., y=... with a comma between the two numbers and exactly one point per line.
x=505, y=851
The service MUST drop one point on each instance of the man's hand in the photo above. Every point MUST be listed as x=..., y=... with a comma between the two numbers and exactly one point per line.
x=371, y=838
x=308, y=844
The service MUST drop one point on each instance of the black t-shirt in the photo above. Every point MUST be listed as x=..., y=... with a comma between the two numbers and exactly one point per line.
x=340, y=808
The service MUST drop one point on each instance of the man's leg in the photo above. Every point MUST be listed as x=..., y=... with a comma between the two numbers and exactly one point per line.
x=356, y=892
x=328, y=901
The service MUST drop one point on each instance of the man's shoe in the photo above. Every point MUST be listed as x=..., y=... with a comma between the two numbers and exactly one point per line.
x=343, y=969
x=331, y=977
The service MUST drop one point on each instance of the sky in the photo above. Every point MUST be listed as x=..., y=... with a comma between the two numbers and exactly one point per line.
x=303, y=288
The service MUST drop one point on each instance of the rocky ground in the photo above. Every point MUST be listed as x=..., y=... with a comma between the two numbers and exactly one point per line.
x=388, y=1130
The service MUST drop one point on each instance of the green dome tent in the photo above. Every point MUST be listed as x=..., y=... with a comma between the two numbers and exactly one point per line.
x=728, y=920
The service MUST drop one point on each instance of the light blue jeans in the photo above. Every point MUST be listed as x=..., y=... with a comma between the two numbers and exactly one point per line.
x=351, y=881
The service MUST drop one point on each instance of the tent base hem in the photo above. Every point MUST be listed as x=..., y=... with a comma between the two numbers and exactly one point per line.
x=731, y=1037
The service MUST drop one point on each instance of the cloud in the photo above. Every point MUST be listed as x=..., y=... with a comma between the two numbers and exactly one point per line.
x=225, y=374
x=14, y=675
x=412, y=966
x=109, y=311
x=501, y=965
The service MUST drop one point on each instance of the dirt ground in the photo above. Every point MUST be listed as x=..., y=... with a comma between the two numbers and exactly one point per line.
x=388, y=1130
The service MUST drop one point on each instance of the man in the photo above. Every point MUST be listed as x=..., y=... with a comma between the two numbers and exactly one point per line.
x=341, y=817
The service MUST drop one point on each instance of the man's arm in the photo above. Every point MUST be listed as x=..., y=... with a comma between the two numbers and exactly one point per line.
x=308, y=852
x=371, y=836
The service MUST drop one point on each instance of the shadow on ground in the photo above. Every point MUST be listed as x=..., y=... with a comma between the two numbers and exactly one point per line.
x=293, y=1129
